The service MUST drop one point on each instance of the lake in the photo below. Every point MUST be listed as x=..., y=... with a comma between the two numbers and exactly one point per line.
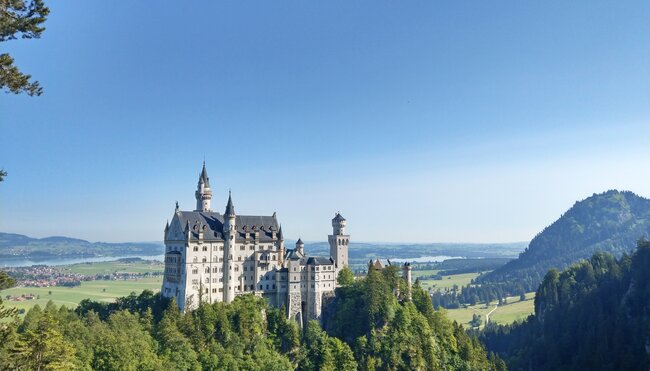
x=426, y=259
x=24, y=262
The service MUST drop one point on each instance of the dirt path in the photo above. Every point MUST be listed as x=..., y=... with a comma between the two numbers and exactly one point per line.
x=487, y=316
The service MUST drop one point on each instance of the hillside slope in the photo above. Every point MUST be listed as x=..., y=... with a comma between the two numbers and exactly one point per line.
x=17, y=245
x=609, y=222
x=595, y=315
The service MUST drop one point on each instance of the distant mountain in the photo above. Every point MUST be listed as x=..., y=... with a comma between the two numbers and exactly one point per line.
x=361, y=252
x=609, y=222
x=17, y=245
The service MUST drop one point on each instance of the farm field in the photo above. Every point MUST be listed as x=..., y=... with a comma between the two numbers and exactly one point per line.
x=446, y=281
x=508, y=313
x=99, y=290
x=92, y=269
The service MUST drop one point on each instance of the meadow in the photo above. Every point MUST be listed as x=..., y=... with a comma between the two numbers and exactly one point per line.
x=512, y=311
x=92, y=269
x=99, y=290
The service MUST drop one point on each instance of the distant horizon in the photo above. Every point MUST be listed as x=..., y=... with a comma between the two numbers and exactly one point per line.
x=288, y=239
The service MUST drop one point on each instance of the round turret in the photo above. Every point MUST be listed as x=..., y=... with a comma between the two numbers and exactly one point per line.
x=338, y=224
x=203, y=192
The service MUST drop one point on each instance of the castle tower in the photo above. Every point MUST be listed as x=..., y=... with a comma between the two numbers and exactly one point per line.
x=203, y=192
x=229, y=235
x=338, y=241
x=300, y=247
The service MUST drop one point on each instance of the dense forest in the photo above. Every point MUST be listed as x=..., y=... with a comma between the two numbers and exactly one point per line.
x=609, y=222
x=595, y=315
x=369, y=326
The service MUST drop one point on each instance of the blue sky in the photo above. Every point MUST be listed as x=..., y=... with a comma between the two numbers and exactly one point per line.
x=420, y=121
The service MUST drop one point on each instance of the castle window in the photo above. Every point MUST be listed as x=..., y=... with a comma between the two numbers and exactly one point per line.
x=205, y=259
x=252, y=287
x=205, y=248
x=220, y=289
x=220, y=247
x=239, y=258
x=220, y=279
x=207, y=270
x=261, y=287
x=196, y=248
x=214, y=291
x=251, y=247
x=242, y=247
x=195, y=270
x=267, y=287
x=236, y=268
x=207, y=280
x=273, y=286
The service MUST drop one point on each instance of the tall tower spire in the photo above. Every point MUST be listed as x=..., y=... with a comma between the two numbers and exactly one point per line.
x=339, y=241
x=229, y=236
x=203, y=192
x=230, y=209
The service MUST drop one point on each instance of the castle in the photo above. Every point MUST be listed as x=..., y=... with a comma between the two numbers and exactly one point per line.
x=212, y=257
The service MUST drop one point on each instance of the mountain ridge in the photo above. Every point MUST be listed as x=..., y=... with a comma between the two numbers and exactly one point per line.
x=612, y=221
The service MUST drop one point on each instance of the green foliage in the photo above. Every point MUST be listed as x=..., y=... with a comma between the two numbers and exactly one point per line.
x=42, y=348
x=6, y=281
x=370, y=329
x=19, y=19
x=346, y=277
x=608, y=222
x=385, y=333
x=321, y=352
x=3, y=174
x=595, y=315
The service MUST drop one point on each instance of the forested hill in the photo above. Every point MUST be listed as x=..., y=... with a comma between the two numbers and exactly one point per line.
x=609, y=222
x=17, y=245
x=595, y=315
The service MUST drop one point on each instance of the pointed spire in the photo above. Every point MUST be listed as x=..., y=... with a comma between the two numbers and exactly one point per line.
x=167, y=225
x=204, y=176
x=176, y=206
x=299, y=242
x=230, y=209
x=280, y=236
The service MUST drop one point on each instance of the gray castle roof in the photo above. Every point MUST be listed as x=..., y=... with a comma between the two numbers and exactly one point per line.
x=338, y=218
x=319, y=260
x=213, y=223
x=230, y=208
x=204, y=176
